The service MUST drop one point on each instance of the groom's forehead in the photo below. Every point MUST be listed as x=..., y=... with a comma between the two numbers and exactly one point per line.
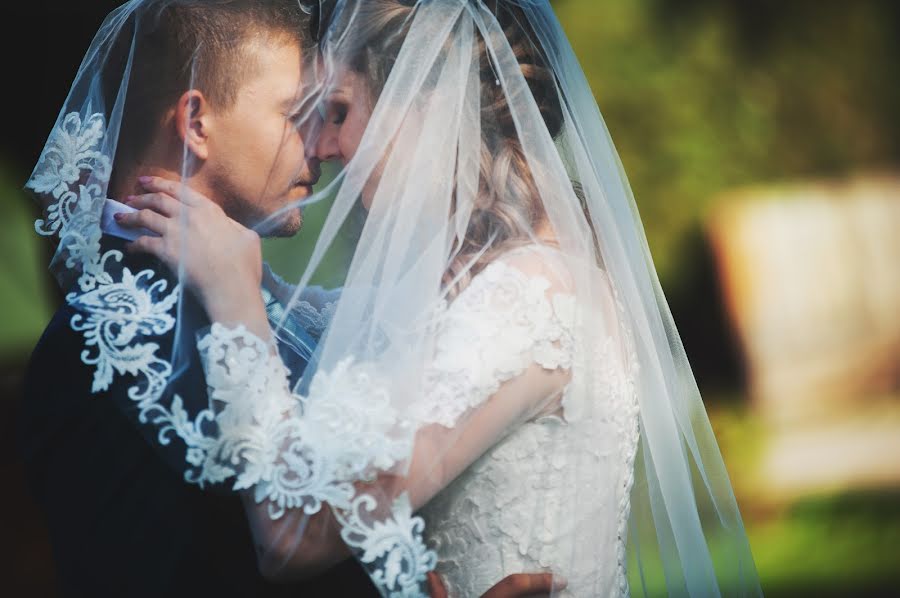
x=269, y=66
x=213, y=47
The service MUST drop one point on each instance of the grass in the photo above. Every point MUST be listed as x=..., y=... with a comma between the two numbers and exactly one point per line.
x=844, y=544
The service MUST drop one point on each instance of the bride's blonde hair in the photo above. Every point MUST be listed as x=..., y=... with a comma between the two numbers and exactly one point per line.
x=508, y=208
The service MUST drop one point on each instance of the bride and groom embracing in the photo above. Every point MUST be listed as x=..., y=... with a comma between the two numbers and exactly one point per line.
x=495, y=391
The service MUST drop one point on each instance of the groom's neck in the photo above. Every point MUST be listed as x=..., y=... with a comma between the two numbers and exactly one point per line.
x=126, y=183
x=164, y=157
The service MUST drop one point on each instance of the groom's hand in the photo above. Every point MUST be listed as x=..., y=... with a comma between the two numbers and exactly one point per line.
x=219, y=258
x=518, y=585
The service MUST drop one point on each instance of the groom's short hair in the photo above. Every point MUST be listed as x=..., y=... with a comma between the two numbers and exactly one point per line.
x=194, y=44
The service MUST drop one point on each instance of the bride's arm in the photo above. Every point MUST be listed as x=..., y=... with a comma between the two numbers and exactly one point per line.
x=527, y=376
x=300, y=546
x=442, y=454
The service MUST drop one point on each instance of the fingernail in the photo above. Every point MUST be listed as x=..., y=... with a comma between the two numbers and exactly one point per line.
x=560, y=582
x=118, y=216
x=130, y=198
x=145, y=179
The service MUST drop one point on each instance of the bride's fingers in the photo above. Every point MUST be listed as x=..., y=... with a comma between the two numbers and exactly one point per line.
x=158, y=202
x=175, y=189
x=152, y=221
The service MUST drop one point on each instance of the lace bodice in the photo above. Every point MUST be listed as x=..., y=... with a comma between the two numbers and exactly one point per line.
x=554, y=493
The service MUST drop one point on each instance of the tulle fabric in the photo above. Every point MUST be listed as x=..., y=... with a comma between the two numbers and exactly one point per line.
x=348, y=440
x=422, y=151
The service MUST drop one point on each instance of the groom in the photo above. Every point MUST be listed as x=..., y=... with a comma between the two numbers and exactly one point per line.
x=122, y=520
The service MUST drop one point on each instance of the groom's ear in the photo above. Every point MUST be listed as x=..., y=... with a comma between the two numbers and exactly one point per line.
x=192, y=121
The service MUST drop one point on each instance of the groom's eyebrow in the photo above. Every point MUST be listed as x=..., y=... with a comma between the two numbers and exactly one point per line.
x=307, y=95
x=290, y=104
x=297, y=100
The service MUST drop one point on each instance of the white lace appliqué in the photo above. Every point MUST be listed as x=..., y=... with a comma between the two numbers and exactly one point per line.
x=114, y=310
x=117, y=312
x=498, y=326
x=71, y=151
x=392, y=547
x=298, y=452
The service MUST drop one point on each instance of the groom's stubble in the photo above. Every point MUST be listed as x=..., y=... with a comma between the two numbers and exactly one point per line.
x=232, y=139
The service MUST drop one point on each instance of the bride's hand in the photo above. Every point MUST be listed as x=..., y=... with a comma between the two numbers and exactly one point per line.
x=220, y=259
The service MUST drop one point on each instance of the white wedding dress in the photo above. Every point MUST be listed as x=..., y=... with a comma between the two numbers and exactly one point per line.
x=567, y=469
x=517, y=508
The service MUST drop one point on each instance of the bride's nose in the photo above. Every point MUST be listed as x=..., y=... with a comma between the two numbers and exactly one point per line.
x=326, y=145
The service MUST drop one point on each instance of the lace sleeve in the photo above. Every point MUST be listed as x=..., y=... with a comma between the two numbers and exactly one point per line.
x=513, y=315
x=293, y=450
x=294, y=453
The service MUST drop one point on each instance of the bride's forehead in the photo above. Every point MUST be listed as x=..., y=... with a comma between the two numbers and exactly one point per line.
x=337, y=79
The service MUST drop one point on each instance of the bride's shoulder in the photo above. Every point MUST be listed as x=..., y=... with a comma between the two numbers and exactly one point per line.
x=549, y=264
x=535, y=270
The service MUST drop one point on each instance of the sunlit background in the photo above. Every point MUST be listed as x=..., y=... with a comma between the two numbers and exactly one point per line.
x=762, y=140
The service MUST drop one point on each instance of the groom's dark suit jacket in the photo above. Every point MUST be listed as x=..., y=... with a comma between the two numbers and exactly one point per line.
x=123, y=522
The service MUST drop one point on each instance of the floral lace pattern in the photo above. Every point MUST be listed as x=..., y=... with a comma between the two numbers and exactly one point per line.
x=503, y=312
x=391, y=547
x=298, y=452
x=519, y=506
x=114, y=313
x=116, y=307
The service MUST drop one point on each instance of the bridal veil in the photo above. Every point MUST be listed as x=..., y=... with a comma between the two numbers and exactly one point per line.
x=478, y=146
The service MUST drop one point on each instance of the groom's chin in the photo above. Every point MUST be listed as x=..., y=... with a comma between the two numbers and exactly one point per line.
x=287, y=224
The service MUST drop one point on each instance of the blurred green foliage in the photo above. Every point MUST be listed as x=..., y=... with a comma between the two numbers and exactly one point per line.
x=844, y=545
x=705, y=95
x=24, y=298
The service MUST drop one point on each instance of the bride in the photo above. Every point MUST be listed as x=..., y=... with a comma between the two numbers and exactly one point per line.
x=500, y=386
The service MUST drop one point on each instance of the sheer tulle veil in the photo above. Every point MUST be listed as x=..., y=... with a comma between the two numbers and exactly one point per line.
x=466, y=79
x=481, y=139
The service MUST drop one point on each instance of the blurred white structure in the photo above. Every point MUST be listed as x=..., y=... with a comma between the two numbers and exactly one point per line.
x=811, y=279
